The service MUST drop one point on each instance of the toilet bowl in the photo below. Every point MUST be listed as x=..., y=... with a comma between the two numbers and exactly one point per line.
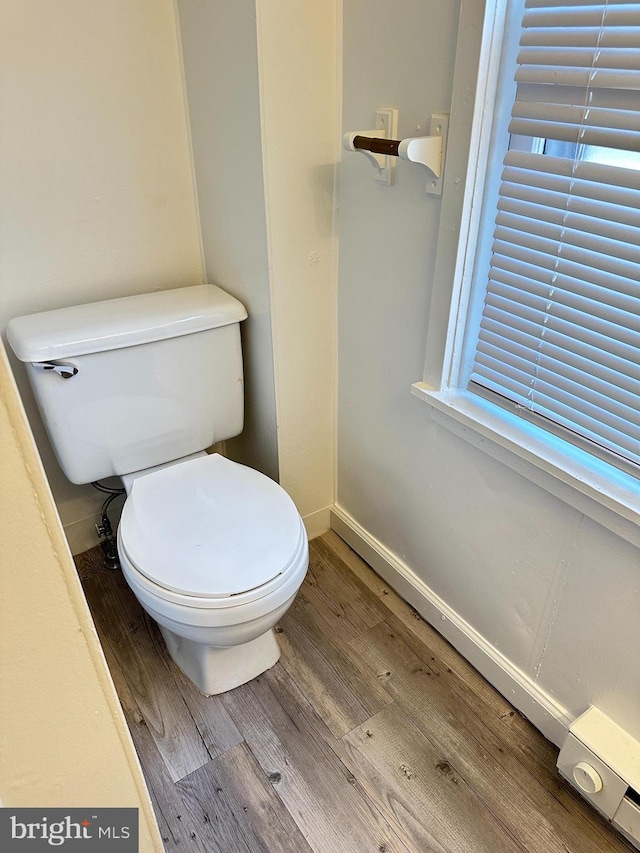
x=215, y=552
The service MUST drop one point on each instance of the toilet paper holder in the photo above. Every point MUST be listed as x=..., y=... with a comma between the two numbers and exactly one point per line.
x=427, y=151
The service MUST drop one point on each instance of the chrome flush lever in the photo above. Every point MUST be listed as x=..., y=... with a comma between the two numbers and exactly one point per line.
x=66, y=371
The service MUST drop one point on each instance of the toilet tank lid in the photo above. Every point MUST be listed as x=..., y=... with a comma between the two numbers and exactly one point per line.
x=117, y=323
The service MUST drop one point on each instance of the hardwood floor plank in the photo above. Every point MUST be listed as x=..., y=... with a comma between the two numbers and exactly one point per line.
x=428, y=802
x=90, y=563
x=237, y=808
x=344, y=600
x=343, y=695
x=529, y=812
x=141, y=656
x=311, y=781
x=216, y=728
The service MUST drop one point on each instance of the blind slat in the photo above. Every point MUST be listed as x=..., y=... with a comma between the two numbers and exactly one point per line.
x=628, y=36
x=598, y=56
x=601, y=78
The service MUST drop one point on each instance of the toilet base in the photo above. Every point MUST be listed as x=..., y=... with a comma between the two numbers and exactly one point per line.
x=215, y=669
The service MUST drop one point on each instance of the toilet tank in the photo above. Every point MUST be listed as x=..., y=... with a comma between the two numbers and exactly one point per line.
x=130, y=383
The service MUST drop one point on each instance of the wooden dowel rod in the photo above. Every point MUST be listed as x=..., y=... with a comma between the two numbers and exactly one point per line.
x=376, y=145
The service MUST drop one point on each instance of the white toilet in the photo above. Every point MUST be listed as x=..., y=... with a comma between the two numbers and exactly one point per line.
x=138, y=387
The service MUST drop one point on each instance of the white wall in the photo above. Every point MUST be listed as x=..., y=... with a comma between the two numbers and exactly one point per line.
x=63, y=738
x=220, y=55
x=297, y=51
x=97, y=194
x=261, y=80
x=539, y=583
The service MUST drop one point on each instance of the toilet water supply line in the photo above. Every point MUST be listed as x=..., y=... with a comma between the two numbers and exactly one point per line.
x=105, y=529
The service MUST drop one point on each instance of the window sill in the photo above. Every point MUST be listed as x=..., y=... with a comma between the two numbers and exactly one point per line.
x=599, y=490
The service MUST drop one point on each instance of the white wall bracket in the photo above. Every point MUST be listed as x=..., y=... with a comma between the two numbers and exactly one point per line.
x=429, y=151
x=386, y=129
x=380, y=147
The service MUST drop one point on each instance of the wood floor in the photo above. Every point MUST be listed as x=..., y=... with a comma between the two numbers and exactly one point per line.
x=370, y=734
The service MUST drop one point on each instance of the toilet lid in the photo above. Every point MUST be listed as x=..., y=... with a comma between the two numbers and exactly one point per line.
x=209, y=527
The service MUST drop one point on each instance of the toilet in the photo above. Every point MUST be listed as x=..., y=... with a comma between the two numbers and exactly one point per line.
x=139, y=387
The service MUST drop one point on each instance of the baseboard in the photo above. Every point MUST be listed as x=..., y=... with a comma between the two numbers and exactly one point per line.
x=317, y=523
x=539, y=707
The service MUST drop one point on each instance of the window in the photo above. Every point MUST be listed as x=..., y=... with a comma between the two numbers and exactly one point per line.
x=545, y=317
x=559, y=336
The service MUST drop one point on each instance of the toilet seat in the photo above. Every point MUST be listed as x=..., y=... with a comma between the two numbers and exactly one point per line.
x=211, y=533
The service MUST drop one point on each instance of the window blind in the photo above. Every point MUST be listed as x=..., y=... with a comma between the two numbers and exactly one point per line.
x=560, y=330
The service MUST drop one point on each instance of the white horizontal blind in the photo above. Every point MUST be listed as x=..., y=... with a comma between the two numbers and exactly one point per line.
x=560, y=329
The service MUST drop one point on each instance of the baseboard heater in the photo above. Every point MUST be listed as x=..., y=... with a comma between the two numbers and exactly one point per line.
x=602, y=761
